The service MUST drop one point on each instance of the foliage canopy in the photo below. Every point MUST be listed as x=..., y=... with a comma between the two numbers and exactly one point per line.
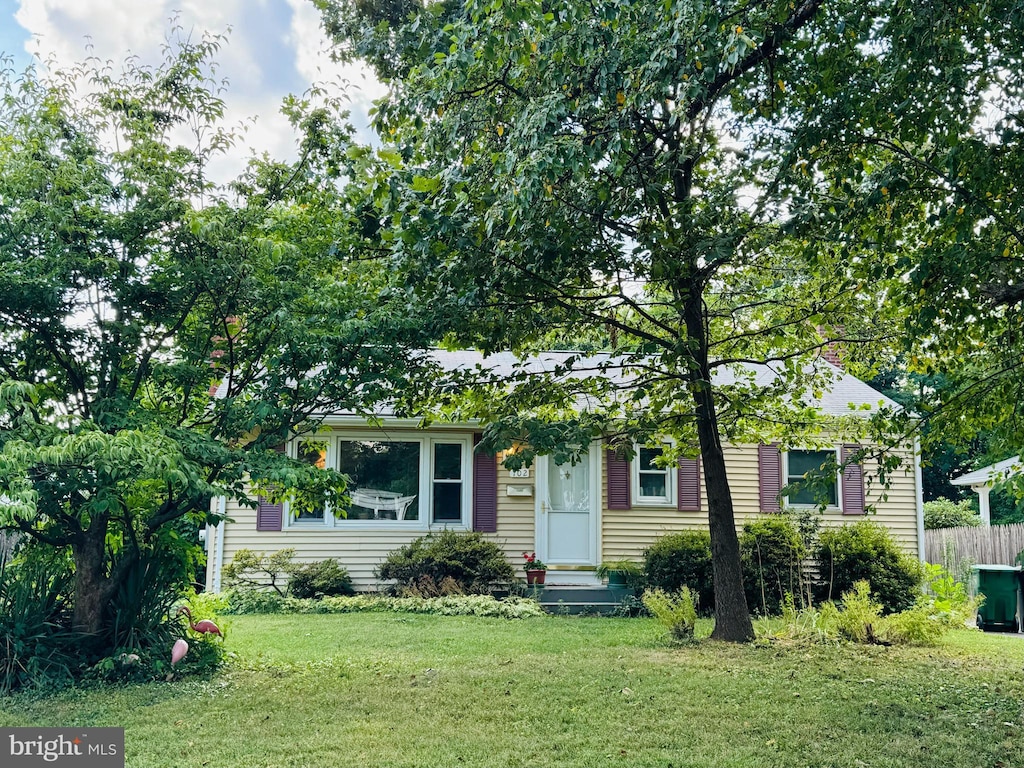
x=161, y=335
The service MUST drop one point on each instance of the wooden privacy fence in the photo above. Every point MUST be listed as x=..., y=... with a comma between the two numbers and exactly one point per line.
x=997, y=545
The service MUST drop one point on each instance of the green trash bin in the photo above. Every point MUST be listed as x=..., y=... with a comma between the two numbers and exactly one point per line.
x=999, y=585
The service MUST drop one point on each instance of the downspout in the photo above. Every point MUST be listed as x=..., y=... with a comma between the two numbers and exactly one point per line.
x=920, y=500
x=218, y=559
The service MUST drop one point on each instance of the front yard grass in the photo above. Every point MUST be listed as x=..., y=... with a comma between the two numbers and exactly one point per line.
x=418, y=690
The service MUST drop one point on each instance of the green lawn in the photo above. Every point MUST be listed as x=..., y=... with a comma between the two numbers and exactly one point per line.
x=412, y=690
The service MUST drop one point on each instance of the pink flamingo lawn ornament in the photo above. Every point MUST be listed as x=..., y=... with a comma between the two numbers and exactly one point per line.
x=178, y=651
x=202, y=627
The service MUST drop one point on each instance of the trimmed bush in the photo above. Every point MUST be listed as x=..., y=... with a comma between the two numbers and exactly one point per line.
x=773, y=555
x=943, y=513
x=679, y=560
x=323, y=579
x=866, y=551
x=447, y=562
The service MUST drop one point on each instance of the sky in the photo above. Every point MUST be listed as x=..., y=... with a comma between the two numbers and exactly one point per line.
x=274, y=47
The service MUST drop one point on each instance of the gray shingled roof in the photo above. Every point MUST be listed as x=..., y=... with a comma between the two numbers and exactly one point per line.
x=847, y=394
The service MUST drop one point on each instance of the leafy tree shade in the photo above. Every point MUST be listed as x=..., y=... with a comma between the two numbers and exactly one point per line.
x=160, y=336
x=921, y=149
x=631, y=168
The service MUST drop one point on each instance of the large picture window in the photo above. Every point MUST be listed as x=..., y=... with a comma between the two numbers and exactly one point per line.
x=413, y=481
x=804, y=465
x=384, y=479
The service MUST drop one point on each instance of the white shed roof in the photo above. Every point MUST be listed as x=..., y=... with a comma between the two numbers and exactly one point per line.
x=993, y=473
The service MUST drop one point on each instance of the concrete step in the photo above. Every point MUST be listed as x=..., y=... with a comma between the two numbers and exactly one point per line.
x=579, y=599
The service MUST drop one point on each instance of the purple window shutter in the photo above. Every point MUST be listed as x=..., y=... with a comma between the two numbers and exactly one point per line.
x=269, y=516
x=485, y=490
x=619, y=482
x=769, y=475
x=853, y=483
x=688, y=485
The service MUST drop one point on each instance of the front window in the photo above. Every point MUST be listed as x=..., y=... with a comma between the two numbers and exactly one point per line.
x=313, y=452
x=409, y=479
x=652, y=479
x=447, y=482
x=384, y=479
x=806, y=467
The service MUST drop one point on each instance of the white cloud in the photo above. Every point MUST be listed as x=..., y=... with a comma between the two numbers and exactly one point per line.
x=313, y=62
x=274, y=46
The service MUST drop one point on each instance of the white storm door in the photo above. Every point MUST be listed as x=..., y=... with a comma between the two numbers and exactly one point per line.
x=568, y=510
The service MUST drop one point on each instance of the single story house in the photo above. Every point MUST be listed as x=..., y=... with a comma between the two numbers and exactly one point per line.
x=407, y=481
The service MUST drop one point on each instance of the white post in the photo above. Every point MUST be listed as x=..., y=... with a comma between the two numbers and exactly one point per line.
x=218, y=559
x=983, y=507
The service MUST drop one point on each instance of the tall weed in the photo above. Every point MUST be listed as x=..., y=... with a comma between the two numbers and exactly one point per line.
x=676, y=612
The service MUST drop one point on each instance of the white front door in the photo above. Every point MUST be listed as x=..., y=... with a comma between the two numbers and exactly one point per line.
x=568, y=510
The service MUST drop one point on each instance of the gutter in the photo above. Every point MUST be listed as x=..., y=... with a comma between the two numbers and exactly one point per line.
x=920, y=500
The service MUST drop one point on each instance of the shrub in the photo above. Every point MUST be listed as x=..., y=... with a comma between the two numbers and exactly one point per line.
x=915, y=626
x=36, y=647
x=773, y=553
x=474, y=564
x=866, y=551
x=323, y=579
x=679, y=560
x=943, y=513
x=676, y=612
x=258, y=570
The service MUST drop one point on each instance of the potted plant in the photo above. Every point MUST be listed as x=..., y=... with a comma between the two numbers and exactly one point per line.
x=535, y=569
x=620, y=573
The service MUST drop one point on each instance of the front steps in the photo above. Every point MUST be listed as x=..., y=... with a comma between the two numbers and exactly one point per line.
x=579, y=598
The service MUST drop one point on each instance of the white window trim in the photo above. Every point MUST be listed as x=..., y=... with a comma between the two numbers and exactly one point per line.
x=669, y=500
x=838, y=506
x=331, y=460
x=426, y=487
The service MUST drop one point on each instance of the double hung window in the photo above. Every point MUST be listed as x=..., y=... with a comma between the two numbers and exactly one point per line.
x=653, y=480
x=818, y=477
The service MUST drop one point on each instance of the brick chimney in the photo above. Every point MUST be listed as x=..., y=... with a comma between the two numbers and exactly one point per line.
x=830, y=351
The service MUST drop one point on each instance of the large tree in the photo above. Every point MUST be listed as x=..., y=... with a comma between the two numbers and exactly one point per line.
x=630, y=168
x=161, y=336
x=920, y=147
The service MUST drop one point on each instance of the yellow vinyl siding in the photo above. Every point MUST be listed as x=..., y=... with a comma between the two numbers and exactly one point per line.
x=626, y=533
x=362, y=550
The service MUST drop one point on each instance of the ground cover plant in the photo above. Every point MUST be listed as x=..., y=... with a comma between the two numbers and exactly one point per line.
x=422, y=690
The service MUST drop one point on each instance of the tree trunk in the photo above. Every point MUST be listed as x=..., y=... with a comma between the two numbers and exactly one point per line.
x=93, y=586
x=732, y=617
